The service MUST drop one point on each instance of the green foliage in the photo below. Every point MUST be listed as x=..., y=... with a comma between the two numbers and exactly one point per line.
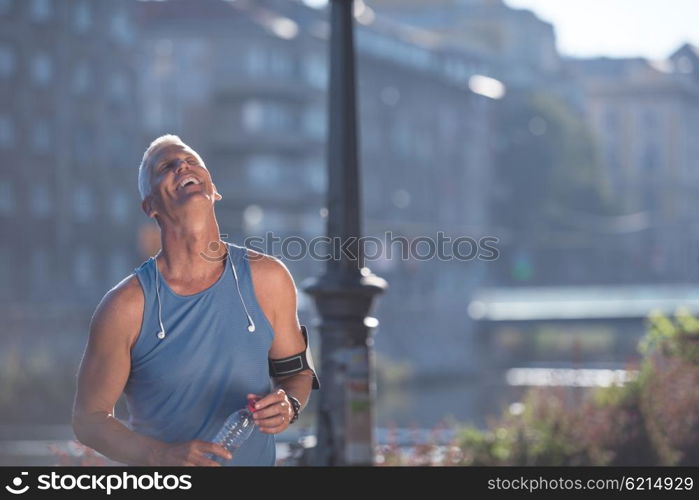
x=675, y=338
x=548, y=162
x=651, y=420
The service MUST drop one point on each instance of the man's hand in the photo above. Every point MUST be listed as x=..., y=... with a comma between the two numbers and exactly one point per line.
x=189, y=453
x=273, y=411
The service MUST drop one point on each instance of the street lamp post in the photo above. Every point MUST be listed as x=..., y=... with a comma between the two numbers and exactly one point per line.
x=344, y=294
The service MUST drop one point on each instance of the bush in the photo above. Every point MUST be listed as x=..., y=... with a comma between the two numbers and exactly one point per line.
x=651, y=420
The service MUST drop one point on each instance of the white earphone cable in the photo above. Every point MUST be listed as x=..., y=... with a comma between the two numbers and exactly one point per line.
x=161, y=333
x=251, y=323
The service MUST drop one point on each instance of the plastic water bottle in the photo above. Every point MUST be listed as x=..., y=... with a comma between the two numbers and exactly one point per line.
x=235, y=430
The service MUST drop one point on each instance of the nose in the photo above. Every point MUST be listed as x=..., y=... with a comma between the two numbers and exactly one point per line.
x=180, y=164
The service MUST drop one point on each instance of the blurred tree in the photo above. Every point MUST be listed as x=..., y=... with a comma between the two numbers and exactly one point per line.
x=546, y=167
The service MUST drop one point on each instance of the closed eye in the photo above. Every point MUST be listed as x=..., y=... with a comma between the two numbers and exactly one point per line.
x=165, y=166
x=190, y=160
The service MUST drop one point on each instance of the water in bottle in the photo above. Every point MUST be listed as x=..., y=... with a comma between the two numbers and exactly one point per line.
x=235, y=430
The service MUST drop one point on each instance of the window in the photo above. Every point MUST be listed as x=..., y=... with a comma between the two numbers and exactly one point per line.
x=314, y=122
x=315, y=71
x=280, y=64
x=83, y=144
x=40, y=271
x=255, y=62
x=7, y=132
x=40, y=10
x=83, y=203
x=119, y=206
x=40, y=200
x=266, y=62
x=684, y=64
x=316, y=175
x=41, y=68
x=82, y=78
x=6, y=266
x=252, y=116
x=120, y=27
x=276, y=221
x=83, y=267
x=82, y=20
x=5, y=6
x=7, y=198
x=257, y=116
x=8, y=61
x=264, y=170
x=40, y=136
x=253, y=216
x=118, y=87
x=118, y=266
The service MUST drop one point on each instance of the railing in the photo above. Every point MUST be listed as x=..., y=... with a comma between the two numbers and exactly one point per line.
x=292, y=447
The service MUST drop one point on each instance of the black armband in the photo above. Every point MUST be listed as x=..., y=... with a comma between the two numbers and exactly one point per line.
x=296, y=363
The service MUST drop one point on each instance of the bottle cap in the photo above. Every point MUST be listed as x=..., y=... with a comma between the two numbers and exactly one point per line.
x=251, y=405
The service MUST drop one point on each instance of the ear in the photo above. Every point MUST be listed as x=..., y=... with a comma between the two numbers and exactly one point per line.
x=147, y=207
x=217, y=195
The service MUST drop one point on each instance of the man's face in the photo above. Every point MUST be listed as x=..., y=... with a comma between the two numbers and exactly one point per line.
x=178, y=177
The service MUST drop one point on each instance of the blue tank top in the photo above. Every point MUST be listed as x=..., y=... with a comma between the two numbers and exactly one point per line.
x=183, y=386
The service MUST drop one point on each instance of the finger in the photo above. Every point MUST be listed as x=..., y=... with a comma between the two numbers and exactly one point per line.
x=279, y=408
x=266, y=422
x=270, y=399
x=275, y=429
x=217, y=449
x=252, y=399
x=271, y=422
x=280, y=394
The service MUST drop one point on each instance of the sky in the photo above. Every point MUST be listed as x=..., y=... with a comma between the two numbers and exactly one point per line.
x=618, y=28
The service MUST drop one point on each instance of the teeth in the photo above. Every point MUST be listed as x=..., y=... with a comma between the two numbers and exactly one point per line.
x=187, y=181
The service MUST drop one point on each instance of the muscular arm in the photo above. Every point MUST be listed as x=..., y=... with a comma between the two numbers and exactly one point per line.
x=276, y=291
x=103, y=373
x=288, y=339
x=102, y=376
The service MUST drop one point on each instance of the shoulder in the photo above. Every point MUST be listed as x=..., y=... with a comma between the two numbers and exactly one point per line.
x=127, y=292
x=274, y=286
x=120, y=311
x=269, y=269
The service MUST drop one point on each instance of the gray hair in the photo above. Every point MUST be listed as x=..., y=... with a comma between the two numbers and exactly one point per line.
x=144, y=168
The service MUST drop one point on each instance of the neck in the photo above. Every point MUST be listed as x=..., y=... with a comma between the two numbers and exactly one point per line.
x=191, y=251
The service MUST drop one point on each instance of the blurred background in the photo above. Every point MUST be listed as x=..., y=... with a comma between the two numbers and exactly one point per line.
x=561, y=128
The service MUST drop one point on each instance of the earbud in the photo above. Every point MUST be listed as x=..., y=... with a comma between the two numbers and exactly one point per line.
x=161, y=333
x=251, y=323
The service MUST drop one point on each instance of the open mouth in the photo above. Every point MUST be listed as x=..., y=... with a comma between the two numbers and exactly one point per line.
x=188, y=181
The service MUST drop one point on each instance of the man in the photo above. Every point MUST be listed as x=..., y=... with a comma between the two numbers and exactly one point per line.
x=192, y=335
